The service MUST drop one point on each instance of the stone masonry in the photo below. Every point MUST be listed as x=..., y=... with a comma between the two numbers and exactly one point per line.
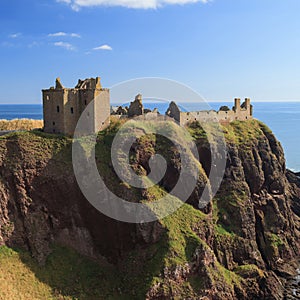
x=64, y=106
x=136, y=107
x=239, y=112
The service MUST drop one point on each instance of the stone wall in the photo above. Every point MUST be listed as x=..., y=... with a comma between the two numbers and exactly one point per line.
x=53, y=108
x=174, y=112
x=239, y=112
x=102, y=110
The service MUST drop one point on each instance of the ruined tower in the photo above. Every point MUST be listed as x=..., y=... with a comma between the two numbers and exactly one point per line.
x=64, y=106
x=237, y=104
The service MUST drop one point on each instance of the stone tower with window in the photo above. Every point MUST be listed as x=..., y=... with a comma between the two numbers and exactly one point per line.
x=63, y=106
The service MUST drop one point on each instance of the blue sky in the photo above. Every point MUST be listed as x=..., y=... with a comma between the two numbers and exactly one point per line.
x=221, y=48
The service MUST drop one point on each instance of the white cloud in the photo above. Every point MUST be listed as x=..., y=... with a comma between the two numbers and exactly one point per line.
x=14, y=35
x=34, y=44
x=57, y=34
x=64, y=1
x=138, y=4
x=61, y=33
x=103, y=47
x=75, y=35
x=67, y=46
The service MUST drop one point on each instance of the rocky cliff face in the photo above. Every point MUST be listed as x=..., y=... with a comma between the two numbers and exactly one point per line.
x=41, y=202
x=241, y=246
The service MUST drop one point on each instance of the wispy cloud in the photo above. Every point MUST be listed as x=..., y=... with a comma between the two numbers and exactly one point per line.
x=61, y=33
x=103, y=47
x=15, y=35
x=57, y=34
x=64, y=45
x=34, y=44
x=75, y=35
x=137, y=4
x=64, y=1
x=7, y=44
x=72, y=3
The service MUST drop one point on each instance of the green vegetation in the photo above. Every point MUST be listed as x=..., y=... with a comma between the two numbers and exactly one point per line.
x=104, y=164
x=220, y=230
x=225, y=207
x=275, y=240
x=144, y=268
x=182, y=239
x=178, y=247
x=197, y=132
x=221, y=274
x=39, y=144
x=66, y=275
x=249, y=271
x=240, y=133
x=243, y=133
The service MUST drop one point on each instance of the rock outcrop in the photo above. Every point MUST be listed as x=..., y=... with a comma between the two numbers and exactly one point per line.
x=242, y=246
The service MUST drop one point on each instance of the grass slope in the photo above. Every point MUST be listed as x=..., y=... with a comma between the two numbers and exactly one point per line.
x=66, y=275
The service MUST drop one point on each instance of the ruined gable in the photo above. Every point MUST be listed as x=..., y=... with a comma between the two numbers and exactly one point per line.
x=136, y=107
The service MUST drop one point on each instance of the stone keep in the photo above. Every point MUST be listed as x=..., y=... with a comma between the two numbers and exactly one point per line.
x=64, y=106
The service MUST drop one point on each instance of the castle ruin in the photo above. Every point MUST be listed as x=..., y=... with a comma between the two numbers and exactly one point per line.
x=239, y=112
x=63, y=107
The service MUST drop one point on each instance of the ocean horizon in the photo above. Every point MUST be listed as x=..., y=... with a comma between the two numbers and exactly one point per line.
x=282, y=117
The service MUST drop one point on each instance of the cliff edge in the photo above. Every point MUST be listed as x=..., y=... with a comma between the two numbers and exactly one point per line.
x=243, y=245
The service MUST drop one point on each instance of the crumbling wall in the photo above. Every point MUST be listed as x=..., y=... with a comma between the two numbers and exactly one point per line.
x=136, y=107
x=174, y=112
x=242, y=112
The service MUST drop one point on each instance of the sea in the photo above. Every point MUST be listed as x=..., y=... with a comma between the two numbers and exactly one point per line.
x=283, y=118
